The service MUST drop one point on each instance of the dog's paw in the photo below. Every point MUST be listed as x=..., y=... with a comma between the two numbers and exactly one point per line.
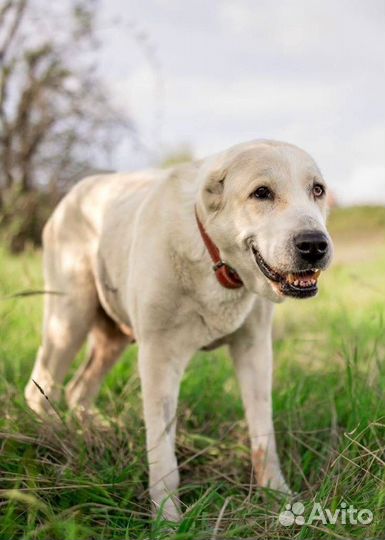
x=165, y=504
x=268, y=472
x=91, y=417
x=278, y=483
x=39, y=402
x=167, y=511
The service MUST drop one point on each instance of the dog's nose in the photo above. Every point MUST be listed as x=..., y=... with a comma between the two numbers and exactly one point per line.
x=311, y=246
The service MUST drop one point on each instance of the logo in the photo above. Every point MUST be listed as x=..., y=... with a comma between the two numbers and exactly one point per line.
x=294, y=515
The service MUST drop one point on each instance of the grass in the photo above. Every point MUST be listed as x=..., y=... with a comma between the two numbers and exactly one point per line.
x=329, y=412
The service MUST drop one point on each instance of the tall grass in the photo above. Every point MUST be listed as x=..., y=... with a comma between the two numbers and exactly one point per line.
x=329, y=409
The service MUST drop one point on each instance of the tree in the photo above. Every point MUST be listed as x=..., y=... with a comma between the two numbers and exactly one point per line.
x=56, y=119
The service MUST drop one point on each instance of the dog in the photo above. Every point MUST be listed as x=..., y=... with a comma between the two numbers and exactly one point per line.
x=181, y=259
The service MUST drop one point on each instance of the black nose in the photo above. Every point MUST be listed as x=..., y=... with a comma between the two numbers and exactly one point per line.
x=311, y=246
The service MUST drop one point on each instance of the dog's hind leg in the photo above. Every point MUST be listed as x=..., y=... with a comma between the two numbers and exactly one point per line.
x=66, y=326
x=107, y=344
x=69, y=311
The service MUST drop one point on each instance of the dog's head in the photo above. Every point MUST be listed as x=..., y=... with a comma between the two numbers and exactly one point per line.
x=264, y=205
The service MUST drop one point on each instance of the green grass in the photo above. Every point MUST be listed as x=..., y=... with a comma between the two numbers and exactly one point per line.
x=329, y=412
x=368, y=219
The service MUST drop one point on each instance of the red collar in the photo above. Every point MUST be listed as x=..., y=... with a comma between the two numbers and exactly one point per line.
x=226, y=276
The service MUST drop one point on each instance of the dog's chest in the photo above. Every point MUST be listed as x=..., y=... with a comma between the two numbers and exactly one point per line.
x=220, y=317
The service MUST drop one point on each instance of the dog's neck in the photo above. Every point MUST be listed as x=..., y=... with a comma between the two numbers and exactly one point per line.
x=225, y=275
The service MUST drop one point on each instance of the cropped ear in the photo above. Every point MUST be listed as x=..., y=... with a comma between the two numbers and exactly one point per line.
x=213, y=189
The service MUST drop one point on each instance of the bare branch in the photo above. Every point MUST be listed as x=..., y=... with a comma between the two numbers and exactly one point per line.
x=55, y=115
x=17, y=20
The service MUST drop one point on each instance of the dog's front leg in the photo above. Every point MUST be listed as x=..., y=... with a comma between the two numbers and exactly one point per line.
x=161, y=370
x=251, y=349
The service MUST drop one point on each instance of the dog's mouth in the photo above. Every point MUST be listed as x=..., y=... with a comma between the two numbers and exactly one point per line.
x=301, y=284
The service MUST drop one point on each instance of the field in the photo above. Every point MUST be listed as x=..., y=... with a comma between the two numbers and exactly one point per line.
x=329, y=412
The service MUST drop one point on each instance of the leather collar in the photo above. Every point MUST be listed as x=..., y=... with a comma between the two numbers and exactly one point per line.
x=226, y=275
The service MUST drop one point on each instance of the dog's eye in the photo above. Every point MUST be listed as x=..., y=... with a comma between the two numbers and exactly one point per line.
x=318, y=190
x=262, y=192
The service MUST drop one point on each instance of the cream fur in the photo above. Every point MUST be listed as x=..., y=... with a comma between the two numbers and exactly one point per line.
x=129, y=244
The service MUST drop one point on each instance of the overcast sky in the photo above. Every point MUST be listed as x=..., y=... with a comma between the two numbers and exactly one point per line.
x=210, y=74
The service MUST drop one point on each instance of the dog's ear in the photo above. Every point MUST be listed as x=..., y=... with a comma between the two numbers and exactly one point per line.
x=213, y=189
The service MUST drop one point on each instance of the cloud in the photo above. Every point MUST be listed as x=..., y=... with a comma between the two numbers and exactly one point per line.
x=365, y=185
x=306, y=27
x=305, y=71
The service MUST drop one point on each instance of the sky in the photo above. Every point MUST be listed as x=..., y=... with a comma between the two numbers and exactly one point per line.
x=209, y=74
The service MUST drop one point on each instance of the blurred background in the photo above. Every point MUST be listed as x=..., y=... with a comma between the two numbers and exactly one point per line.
x=90, y=85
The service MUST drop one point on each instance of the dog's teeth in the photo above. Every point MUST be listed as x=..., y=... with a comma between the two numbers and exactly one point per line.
x=306, y=281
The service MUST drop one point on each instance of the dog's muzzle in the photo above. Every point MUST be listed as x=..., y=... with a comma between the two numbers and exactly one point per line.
x=300, y=284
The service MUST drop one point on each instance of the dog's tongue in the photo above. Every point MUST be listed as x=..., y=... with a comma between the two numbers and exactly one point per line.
x=305, y=279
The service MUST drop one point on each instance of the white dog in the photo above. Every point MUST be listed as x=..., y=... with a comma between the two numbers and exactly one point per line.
x=178, y=260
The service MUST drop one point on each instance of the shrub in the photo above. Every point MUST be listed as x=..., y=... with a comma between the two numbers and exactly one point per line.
x=23, y=215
